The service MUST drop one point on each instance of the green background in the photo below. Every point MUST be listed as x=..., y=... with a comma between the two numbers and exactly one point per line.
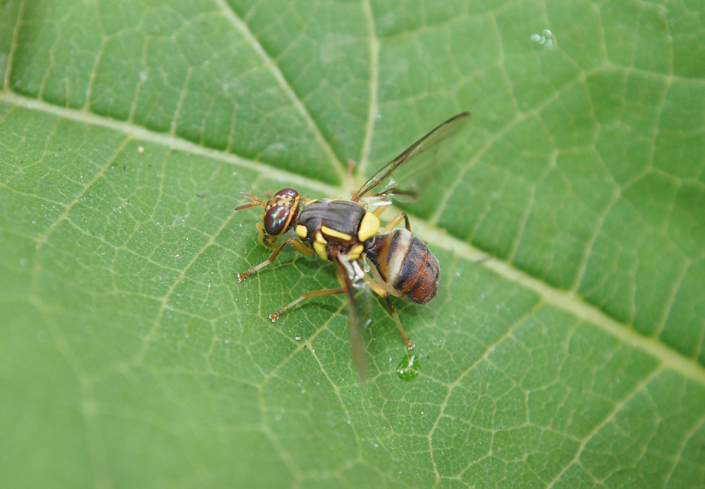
x=565, y=348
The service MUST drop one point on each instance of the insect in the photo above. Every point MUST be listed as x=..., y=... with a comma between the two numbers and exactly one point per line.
x=347, y=232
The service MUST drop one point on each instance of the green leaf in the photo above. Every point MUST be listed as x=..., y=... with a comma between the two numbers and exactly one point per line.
x=565, y=348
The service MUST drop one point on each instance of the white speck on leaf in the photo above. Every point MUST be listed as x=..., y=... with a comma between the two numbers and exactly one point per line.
x=546, y=38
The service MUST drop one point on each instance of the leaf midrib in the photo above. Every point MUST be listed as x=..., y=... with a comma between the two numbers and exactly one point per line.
x=565, y=300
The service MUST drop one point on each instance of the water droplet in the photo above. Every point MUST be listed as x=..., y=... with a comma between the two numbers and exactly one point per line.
x=546, y=38
x=408, y=368
x=23, y=262
x=297, y=338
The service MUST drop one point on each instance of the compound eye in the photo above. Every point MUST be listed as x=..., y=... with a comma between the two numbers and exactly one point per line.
x=275, y=220
x=288, y=191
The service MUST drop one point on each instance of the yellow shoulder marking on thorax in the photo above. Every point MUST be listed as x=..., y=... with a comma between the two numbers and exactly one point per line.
x=368, y=226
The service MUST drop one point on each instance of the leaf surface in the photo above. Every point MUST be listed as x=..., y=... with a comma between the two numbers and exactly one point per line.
x=565, y=348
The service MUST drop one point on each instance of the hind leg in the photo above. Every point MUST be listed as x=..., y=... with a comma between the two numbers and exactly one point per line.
x=379, y=290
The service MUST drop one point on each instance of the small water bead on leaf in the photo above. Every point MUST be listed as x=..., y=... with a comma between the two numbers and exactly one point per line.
x=545, y=38
x=408, y=368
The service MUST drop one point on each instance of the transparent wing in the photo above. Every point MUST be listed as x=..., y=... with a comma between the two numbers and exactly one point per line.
x=357, y=315
x=365, y=303
x=415, y=163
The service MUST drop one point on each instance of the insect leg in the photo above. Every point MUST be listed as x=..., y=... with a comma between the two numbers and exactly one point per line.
x=380, y=210
x=395, y=222
x=300, y=247
x=379, y=290
x=307, y=295
x=409, y=344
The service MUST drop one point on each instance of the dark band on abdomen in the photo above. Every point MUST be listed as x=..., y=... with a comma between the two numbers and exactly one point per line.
x=418, y=279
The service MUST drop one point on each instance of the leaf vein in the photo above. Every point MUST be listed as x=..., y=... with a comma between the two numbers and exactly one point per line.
x=168, y=141
x=463, y=374
x=638, y=387
x=373, y=88
x=165, y=300
x=284, y=84
x=13, y=44
x=565, y=300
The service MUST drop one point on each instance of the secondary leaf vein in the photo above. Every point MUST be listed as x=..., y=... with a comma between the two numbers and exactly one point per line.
x=269, y=62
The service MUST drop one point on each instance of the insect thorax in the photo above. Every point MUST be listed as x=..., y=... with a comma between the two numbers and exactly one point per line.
x=340, y=223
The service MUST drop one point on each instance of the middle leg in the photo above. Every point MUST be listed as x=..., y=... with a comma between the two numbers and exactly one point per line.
x=300, y=247
x=314, y=293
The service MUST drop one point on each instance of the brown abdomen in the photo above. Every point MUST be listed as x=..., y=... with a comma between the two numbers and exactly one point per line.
x=405, y=264
x=418, y=280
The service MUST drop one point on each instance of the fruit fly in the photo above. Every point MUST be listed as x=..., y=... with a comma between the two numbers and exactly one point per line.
x=347, y=232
